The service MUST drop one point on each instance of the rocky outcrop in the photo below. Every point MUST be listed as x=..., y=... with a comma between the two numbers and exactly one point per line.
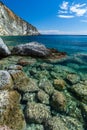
x=32, y=48
x=11, y=24
x=4, y=51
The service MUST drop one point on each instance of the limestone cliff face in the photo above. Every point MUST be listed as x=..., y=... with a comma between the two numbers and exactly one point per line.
x=11, y=24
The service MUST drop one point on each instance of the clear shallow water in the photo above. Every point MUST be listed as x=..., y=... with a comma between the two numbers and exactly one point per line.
x=68, y=43
x=74, y=46
x=76, y=63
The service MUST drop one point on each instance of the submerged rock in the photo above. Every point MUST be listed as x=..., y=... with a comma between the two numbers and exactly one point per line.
x=58, y=101
x=24, y=61
x=5, y=80
x=37, y=112
x=14, y=67
x=4, y=51
x=59, y=84
x=29, y=97
x=35, y=127
x=43, y=97
x=84, y=112
x=80, y=91
x=32, y=48
x=46, y=86
x=55, y=123
x=73, y=78
x=11, y=114
x=72, y=123
x=22, y=82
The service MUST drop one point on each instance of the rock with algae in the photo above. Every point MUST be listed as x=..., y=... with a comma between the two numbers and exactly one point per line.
x=37, y=112
x=11, y=114
x=58, y=101
x=55, y=123
x=22, y=82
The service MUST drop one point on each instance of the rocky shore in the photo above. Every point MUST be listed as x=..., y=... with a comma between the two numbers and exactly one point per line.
x=38, y=93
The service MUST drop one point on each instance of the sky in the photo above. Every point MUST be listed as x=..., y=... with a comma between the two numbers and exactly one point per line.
x=52, y=16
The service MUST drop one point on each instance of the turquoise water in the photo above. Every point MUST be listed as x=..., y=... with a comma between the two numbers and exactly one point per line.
x=68, y=43
x=74, y=46
x=75, y=65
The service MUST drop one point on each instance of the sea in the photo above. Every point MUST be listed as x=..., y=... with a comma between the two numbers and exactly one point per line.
x=74, y=45
x=74, y=65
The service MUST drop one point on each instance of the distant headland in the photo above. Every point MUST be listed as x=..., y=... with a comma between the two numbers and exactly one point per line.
x=11, y=24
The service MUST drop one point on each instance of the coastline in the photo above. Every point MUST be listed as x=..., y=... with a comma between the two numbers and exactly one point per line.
x=48, y=91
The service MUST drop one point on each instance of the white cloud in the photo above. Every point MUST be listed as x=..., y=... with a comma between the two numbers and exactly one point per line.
x=64, y=5
x=72, y=10
x=78, y=10
x=66, y=16
x=50, y=31
x=61, y=32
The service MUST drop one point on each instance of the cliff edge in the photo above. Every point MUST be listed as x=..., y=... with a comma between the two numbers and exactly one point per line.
x=11, y=24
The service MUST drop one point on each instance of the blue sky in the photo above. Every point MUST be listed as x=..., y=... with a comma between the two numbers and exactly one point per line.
x=52, y=16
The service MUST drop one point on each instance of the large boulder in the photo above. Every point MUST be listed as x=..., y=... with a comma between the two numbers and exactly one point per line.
x=32, y=48
x=4, y=51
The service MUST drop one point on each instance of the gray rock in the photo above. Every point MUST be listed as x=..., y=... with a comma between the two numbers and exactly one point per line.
x=37, y=113
x=43, y=97
x=4, y=51
x=32, y=48
x=11, y=24
x=5, y=80
x=55, y=123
